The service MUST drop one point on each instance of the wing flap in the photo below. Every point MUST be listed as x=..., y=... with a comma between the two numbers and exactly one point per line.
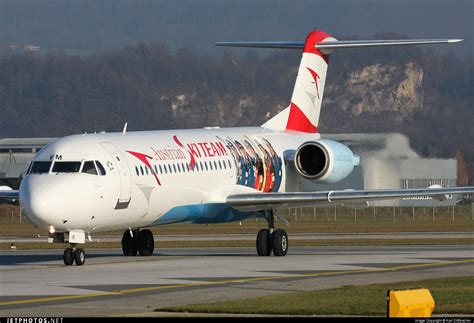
x=266, y=201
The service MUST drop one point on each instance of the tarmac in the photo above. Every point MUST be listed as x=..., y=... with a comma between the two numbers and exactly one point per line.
x=251, y=237
x=36, y=283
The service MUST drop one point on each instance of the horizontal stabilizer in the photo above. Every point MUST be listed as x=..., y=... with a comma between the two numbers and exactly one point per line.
x=378, y=43
x=335, y=44
x=264, y=44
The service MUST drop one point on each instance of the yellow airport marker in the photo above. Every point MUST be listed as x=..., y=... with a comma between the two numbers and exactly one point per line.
x=410, y=303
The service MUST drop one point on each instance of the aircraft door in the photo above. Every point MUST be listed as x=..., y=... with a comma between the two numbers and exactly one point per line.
x=123, y=170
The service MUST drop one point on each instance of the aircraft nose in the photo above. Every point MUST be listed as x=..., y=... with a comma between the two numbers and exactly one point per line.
x=36, y=202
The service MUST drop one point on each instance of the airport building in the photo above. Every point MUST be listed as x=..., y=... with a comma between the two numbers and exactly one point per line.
x=15, y=157
x=387, y=161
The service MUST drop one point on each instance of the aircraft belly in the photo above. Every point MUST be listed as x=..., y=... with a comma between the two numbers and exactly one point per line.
x=207, y=213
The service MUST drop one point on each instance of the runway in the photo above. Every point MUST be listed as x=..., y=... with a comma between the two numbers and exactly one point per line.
x=36, y=283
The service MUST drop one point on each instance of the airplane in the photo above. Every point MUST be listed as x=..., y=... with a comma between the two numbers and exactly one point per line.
x=87, y=183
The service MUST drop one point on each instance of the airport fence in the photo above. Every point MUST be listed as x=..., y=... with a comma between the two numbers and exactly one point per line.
x=457, y=213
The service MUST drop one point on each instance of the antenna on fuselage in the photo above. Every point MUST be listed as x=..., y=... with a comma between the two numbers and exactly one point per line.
x=124, y=129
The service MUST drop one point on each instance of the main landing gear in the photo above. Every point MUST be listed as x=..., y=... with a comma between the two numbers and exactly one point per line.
x=271, y=239
x=72, y=255
x=140, y=241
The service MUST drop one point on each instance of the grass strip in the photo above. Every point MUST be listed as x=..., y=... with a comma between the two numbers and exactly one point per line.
x=451, y=295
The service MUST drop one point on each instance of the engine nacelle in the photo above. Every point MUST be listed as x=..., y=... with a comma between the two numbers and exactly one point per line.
x=325, y=161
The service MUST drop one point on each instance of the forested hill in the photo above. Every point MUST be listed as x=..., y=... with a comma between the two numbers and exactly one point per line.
x=426, y=95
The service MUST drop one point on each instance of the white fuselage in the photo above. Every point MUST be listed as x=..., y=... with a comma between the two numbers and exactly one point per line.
x=153, y=177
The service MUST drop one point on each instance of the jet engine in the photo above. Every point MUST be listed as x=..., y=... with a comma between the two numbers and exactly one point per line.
x=325, y=161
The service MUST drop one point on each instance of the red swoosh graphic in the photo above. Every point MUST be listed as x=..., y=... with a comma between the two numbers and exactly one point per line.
x=192, y=162
x=144, y=159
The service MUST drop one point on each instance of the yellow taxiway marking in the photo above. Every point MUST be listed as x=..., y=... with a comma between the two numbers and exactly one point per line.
x=230, y=281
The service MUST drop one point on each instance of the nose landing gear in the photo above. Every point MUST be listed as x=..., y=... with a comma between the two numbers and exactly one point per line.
x=72, y=255
x=271, y=239
x=140, y=241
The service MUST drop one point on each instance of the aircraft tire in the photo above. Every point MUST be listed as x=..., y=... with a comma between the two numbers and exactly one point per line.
x=280, y=243
x=146, y=243
x=264, y=243
x=68, y=256
x=128, y=245
x=79, y=257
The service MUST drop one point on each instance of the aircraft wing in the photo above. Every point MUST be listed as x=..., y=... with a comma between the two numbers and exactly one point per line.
x=267, y=201
x=10, y=195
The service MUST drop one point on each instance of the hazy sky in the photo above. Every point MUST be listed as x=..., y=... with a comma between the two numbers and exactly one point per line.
x=104, y=24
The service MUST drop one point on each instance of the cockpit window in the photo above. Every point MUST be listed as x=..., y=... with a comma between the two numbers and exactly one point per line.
x=66, y=167
x=40, y=167
x=100, y=168
x=89, y=168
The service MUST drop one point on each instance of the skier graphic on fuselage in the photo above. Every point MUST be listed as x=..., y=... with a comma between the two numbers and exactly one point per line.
x=237, y=160
x=277, y=165
x=267, y=161
x=245, y=164
x=257, y=165
x=252, y=156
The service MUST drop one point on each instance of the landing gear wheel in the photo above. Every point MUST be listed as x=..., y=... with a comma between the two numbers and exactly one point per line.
x=79, y=257
x=264, y=243
x=146, y=244
x=280, y=243
x=68, y=256
x=128, y=244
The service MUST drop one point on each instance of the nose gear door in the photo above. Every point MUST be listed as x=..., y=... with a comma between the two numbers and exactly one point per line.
x=123, y=170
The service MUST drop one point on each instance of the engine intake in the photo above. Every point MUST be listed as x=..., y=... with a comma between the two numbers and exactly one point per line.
x=325, y=160
x=311, y=160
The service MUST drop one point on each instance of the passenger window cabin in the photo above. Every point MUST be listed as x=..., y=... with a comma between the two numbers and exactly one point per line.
x=211, y=165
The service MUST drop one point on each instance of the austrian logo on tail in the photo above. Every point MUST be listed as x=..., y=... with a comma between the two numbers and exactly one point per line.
x=315, y=77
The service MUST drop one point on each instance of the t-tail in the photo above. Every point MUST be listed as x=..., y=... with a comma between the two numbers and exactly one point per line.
x=302, y=115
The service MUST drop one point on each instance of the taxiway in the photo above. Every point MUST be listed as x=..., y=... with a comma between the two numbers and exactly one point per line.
x=36, y=283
